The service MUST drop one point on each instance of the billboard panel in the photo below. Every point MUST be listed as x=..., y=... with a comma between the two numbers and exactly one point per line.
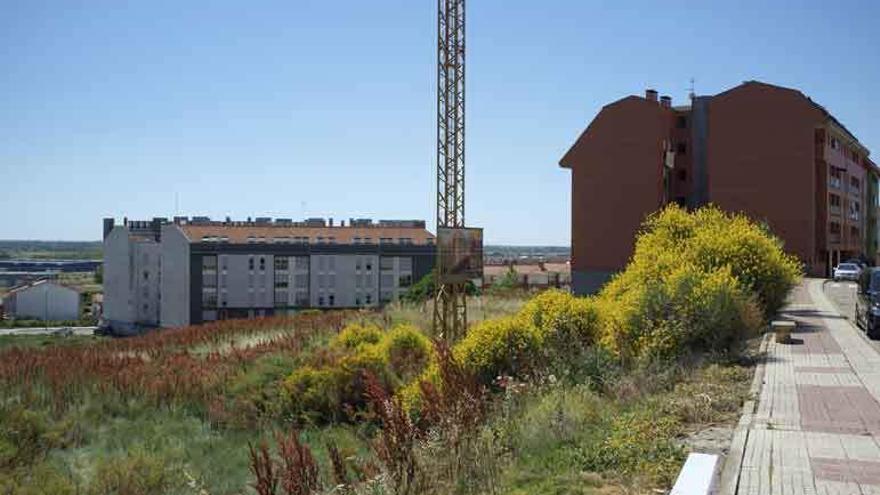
x=459, y=254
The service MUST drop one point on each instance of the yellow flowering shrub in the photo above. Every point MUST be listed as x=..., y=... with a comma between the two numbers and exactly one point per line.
x=335, y=384
x=313, y=393
x=696, y=282
x=355, y=335
x=710, y=238
x=407, y=352
x=508, y=345
x=558, y=312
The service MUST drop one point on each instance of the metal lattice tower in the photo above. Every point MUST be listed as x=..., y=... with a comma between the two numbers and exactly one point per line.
x=450, y=310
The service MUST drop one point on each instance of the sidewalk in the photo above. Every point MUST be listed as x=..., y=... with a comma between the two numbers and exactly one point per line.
x=816, y=426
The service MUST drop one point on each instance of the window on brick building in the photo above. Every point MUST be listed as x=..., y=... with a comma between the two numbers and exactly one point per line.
x=681, y=122
x=681, y=148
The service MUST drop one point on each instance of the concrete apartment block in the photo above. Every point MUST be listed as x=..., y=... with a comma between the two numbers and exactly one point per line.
x=217, y=270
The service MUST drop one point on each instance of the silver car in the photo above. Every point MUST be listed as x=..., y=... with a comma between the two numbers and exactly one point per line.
x=847, y=271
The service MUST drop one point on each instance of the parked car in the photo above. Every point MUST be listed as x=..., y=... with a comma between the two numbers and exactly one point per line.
x=856, y=261
x=868, y=302
x=847, y=271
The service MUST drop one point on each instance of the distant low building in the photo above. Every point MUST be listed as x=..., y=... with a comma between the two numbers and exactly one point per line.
x=532, y=275
x=43, y=300
x=193, y=270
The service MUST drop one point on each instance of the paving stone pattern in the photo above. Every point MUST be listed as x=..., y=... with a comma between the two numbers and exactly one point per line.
x=816, y=427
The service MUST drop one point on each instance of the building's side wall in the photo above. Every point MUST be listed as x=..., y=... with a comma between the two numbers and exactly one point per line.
x=47, y=302
x=146, y=282
x=870, y=210
x=118, y=305
x=175, y=278
x=761, y=161
x=617, y=180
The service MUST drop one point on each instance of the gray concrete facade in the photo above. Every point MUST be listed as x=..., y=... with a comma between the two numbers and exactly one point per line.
x=196, y=282
x=585, y=283
x=131, y=281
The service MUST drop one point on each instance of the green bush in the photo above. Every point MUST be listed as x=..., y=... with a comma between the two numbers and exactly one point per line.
x=253, y=393
x=638, y=443
x=314, y=394
x=424, y=289
x=37, y=480
x=27, y=435
x=136, y=473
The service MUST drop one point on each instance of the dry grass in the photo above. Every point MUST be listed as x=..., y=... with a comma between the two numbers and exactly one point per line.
x=483, y=307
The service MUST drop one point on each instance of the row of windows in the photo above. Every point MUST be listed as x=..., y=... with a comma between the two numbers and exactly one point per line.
x=306, y=239
x=836, y=180
x=324, y=263
x=852, y=154
x=282, y=263
x=404, y=263
x=279, y=240
x=834, y=228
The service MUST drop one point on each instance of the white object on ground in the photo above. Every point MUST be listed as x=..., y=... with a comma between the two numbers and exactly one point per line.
x=697, y=476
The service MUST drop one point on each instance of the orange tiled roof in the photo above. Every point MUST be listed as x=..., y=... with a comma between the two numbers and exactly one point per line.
x=239, y=234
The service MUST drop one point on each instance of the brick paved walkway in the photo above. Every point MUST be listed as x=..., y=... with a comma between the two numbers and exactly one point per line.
x=816, y=426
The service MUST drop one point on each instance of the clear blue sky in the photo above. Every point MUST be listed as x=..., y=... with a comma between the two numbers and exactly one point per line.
x=326, y=108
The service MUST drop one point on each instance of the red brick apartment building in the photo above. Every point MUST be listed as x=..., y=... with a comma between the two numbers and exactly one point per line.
x=765, y=150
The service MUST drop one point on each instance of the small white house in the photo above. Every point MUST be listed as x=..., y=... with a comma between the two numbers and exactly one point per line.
x=43, y=300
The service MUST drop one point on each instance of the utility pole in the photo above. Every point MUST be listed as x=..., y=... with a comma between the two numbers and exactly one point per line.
x=450, y=309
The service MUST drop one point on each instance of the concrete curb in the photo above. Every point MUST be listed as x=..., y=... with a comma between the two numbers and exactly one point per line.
x=733, y=461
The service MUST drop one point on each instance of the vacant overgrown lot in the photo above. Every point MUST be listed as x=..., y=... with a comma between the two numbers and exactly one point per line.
x=547, y=393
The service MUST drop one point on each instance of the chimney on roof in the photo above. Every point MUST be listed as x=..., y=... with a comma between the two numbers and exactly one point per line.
x=108, y=226
x=651, y=95
x=666, y=101
x=342, y=223
x=331, y=221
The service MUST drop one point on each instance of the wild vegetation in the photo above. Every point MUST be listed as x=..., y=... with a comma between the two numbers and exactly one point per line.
x=546, y=394
x=57, y=250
